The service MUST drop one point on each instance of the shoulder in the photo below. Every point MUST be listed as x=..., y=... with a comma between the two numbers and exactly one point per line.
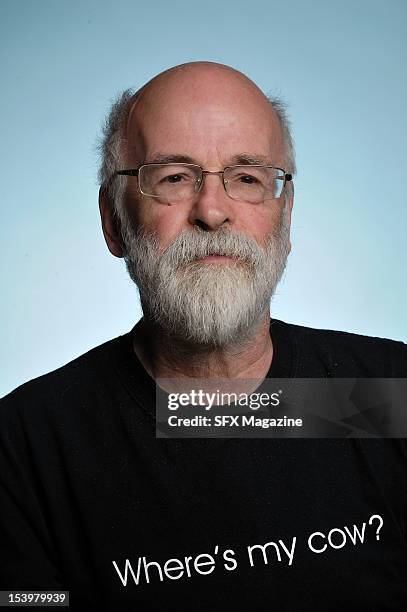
x=76, y=379
x=349, y=354
x=57, y=414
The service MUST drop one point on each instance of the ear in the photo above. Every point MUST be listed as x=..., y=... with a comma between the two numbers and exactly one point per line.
x=110, y=224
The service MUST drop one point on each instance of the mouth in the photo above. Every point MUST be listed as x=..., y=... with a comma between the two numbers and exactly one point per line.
x=218, y=259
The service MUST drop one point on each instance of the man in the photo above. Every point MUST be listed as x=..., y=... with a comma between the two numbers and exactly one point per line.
x=196, y=195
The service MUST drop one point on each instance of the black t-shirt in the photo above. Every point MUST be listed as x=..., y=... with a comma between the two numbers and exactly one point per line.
x=93, y=503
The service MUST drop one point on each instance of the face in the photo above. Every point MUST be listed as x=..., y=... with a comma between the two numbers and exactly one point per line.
x=206, y=268
x=211, y=117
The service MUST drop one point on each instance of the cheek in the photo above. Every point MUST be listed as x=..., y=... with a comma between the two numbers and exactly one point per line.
x=166, y=221
x=169, y=224
x=260, y=221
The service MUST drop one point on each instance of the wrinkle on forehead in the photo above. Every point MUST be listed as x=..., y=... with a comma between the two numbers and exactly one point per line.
x=200, y=84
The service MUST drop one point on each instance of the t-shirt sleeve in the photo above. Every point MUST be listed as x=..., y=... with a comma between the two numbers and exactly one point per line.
x=27, y=558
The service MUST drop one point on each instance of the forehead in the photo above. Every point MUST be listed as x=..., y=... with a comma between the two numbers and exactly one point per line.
x=203, y=115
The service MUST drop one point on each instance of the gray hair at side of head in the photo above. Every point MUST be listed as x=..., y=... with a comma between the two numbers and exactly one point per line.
x=111, y=143
x=280, y=108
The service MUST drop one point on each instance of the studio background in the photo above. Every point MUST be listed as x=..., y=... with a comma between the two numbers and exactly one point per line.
x=339, y=64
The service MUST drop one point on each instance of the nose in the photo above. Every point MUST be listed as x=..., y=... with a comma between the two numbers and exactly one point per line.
x=212, y=207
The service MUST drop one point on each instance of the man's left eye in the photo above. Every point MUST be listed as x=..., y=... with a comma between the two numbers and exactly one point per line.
x=174, y=178
x=248, y=179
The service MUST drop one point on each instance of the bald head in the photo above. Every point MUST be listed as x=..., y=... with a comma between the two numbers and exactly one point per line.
x=203, y=101
x=206, y=112
x=199, y=81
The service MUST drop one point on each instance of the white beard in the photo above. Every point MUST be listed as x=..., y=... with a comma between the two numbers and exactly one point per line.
x=203, y=304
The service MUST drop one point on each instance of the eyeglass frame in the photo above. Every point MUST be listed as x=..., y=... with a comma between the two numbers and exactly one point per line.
x=136, y=171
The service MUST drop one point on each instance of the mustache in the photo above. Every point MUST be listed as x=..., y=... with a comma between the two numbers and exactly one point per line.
x=197, y=244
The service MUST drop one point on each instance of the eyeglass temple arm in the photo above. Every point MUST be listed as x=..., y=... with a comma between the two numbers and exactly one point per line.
x=134, y=172
x=127, y=172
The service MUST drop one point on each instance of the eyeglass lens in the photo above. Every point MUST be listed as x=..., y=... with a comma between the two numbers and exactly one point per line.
x=176, y=182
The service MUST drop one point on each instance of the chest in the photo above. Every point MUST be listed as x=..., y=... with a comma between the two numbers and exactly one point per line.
x=205, y=520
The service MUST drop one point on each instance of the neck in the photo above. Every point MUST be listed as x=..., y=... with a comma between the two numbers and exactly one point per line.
x=164, y=356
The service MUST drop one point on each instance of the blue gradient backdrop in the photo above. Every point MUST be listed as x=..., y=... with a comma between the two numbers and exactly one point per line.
x=340, y=65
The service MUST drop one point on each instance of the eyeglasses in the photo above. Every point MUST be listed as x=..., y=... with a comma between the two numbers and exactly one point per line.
x=173, y=182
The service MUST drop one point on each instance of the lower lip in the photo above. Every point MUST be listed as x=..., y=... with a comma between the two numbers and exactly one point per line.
x=218, y=259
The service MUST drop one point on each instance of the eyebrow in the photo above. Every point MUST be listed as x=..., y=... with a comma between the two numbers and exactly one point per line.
x=239, y=158
x=251, y=160
x=172, y=158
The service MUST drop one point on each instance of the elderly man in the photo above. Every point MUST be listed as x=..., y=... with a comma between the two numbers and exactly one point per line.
x=196, y=195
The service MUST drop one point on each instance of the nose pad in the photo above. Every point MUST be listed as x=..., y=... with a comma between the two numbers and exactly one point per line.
x=198, y=185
